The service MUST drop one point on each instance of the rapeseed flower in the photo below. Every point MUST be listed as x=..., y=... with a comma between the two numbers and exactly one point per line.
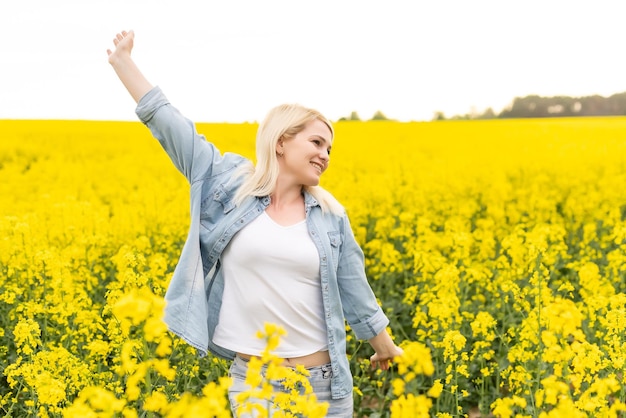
x=411, y=406
x=509, y=234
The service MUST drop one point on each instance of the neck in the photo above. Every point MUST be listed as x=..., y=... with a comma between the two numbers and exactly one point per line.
x=280, y=200
x=286, y=196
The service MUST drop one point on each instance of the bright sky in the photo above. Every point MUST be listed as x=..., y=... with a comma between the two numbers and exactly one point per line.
x=234, y=60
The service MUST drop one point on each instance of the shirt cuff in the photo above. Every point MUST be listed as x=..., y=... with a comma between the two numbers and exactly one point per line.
x=373, y=326
x=150, y=103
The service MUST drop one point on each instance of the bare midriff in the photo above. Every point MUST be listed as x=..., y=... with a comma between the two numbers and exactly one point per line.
x=318, y=358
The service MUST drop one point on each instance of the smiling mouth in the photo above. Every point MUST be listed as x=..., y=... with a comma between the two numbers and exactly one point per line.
x=318, y=167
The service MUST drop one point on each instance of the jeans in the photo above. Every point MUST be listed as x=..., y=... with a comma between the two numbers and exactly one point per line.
x=320, y=382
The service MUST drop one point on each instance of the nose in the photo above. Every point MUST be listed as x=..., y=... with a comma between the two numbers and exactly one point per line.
x=325, y=156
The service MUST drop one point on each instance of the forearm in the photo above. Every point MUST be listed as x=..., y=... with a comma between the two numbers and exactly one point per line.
x=383, y=344
x=130, y=75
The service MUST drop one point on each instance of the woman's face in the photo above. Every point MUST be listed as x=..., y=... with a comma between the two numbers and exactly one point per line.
x=306, y=156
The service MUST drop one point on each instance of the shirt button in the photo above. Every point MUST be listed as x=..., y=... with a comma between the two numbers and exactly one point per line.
x=323, y=258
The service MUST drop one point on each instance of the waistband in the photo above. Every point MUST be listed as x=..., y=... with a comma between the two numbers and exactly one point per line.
x=312, y=361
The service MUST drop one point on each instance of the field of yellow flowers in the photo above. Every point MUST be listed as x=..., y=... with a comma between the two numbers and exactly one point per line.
x=497, y=249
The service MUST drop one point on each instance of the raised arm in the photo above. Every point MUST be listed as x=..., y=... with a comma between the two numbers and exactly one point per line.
x=125, y=68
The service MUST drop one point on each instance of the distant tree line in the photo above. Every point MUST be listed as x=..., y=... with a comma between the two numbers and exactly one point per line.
x=534, y=106
x=378, y=115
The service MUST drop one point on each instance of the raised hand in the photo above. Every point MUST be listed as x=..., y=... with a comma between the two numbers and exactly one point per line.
x=123, y=42
x=128, y=72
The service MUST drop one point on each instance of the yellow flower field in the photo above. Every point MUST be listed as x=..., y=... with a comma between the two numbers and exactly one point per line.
x=497, y=248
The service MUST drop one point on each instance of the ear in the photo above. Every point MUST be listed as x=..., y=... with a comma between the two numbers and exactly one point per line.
x=279, y=147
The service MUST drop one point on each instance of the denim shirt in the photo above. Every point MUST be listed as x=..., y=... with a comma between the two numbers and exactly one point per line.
x=194, y=295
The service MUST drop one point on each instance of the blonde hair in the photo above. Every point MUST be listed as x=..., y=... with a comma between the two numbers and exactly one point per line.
x=282, y=122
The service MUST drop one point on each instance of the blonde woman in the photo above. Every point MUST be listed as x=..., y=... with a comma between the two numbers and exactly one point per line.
x=266, y=244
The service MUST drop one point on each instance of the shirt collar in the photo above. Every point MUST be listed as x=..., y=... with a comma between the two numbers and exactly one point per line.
x=309, y=200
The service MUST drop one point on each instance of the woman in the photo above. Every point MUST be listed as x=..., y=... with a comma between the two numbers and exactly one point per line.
x=266, y=244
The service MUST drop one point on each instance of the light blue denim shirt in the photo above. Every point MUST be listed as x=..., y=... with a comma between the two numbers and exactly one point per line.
x=194, y=295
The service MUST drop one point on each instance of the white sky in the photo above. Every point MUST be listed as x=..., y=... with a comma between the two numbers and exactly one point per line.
x=233, y=60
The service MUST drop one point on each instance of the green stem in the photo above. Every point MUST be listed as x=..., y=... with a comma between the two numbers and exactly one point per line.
x=540, y=345
x=456, y=392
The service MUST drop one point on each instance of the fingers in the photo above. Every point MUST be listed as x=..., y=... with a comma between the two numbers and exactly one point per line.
x=123, y=41
x=381, y=364
x=119, y=37
x=384, y=362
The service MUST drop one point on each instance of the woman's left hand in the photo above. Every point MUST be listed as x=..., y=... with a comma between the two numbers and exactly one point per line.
x=382, y=361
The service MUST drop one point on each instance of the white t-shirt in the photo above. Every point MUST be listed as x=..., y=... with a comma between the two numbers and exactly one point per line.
x=271, y=274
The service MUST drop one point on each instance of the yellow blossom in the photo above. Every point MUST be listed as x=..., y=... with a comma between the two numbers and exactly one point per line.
x=411, y=406
x=501, y=245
